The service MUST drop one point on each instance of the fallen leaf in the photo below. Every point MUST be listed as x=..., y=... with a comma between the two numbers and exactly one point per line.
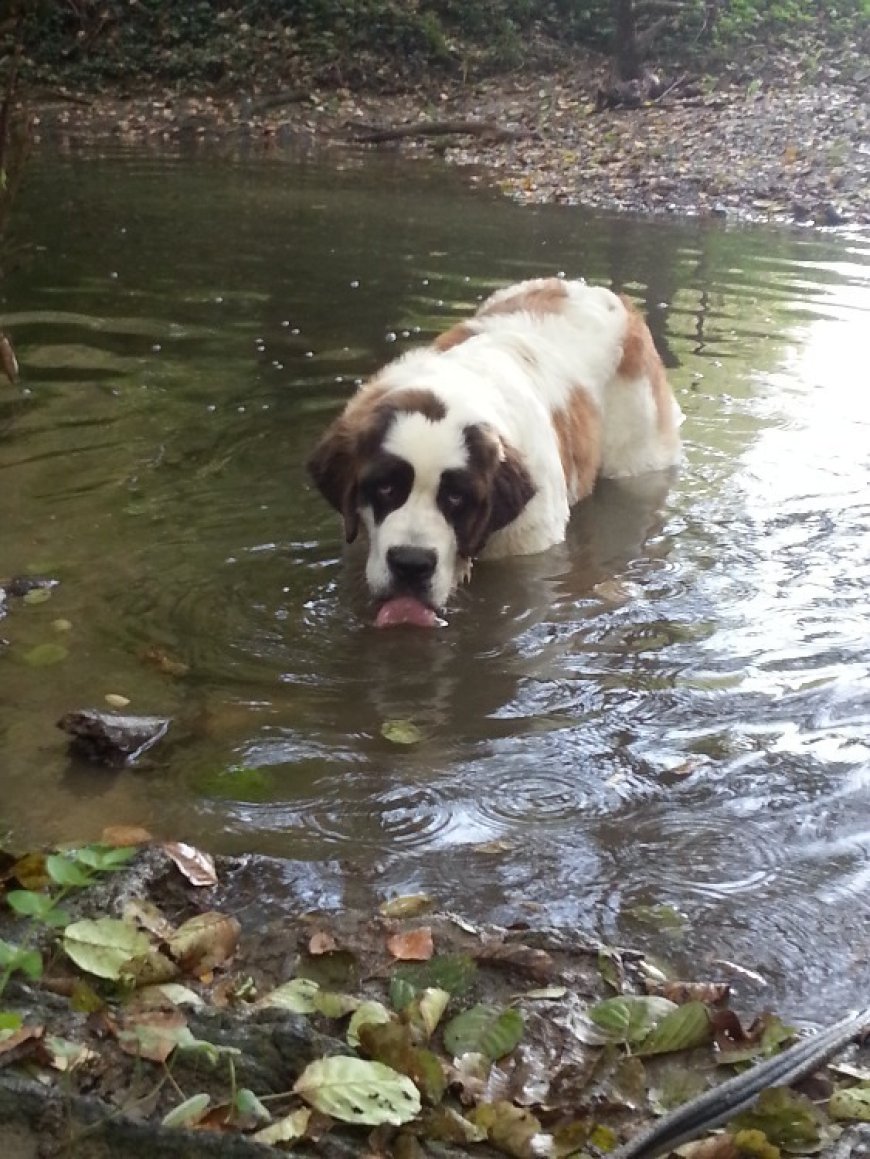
x=197, y=867
x=164, y=662
x=188, y=1113
x=355, y=1090
x=485, y=1030
x=64, y=1055
x=682, y=992
x=147, y=915
x=401, y=732
x=408, y=906
x=538, y=964
x=286, y=1130
x=296, y=995
x=412, y=945
x=104, y=946
x=322, y=942
x=8, y=361
x=17, y=1044
x=150, y=1034
x=205, y=941
x=120, y=835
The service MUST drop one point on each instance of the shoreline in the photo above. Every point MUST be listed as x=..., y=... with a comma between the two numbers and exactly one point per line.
x=783, y=150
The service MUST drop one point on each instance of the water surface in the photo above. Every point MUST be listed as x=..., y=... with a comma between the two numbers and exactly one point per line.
x=670, y=710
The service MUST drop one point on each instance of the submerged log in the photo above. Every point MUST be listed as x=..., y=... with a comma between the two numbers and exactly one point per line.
x=486, y=129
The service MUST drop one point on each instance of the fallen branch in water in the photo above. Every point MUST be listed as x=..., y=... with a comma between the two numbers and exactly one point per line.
x=486, y=129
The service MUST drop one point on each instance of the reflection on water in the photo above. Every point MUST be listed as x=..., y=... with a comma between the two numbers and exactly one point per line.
x=670, y=709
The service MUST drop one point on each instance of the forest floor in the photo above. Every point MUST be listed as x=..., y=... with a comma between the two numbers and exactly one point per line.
x=783, y=136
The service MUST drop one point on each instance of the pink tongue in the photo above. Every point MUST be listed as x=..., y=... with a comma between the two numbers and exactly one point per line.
x=405, y=610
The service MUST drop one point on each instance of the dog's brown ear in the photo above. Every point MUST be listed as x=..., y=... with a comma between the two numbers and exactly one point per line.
x=333, y=467
x=512, y=488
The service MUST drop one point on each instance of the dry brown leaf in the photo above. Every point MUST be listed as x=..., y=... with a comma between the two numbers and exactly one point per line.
x=535, y=963
x=30, y=872
x=721, y=1147
x=151, y=1034
x=19, y=1044
x=150, y=969
x=120, y=835
x=165, y=663
x=8, y=361
x=412, y=945
x=322, y=942
x=205, y=941
x=197, y=867
x=149, y=917
x=682, y=992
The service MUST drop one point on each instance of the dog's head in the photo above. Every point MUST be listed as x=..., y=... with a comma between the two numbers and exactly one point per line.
x=429, y=484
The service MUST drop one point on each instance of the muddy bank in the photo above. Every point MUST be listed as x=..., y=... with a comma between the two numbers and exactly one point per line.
x=781, y=142
x=191, y=1005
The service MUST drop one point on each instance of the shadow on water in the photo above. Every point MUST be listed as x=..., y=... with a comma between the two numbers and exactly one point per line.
x=664, y=718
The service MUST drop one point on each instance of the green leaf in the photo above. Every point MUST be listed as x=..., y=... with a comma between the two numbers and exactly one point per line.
x=10, y=1020
x=286, y=1130
x=246, y=1103
x=103, y=946
x=104, y=857
x=64, y=870
x=297, y=995
x=789, y=1120
x=851, y=1103
x=662, y=917
x=687, y=1026
x=484, y=1030
x=630, y=1017
x=401, y=732
x=356, y=1091
x=333, y=1005
x=36, y=596
x=27, y=962
x=188, y=1113
x=367, y=1013
x=426, y=1009
x=38, y=906
x=44, y=655
x=452, y=972
x=401, y=992
x=174, y=992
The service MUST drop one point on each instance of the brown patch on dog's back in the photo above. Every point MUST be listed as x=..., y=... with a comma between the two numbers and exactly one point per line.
x=454, y=336
x=578, y=431
x=550, y=296
x=640, y=359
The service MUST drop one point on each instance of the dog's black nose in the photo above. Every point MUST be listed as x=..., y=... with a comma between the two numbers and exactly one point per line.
x=411, y=565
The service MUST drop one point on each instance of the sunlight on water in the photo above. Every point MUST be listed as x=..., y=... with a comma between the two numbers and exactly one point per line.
x=669, y=709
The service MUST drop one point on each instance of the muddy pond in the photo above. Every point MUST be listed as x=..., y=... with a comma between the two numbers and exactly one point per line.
x=658, y=733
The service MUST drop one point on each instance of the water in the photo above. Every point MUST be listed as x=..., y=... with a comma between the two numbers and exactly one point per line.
x=670, y=710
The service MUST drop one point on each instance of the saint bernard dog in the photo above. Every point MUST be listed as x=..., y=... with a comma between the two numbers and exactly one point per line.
x=479, y=444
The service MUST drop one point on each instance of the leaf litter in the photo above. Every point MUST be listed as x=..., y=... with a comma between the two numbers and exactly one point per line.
x=464, y=1048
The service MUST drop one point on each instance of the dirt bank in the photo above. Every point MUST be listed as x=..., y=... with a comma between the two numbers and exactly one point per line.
x=781, y=141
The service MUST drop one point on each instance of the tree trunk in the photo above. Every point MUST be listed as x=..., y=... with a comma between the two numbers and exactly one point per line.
x=626, y=55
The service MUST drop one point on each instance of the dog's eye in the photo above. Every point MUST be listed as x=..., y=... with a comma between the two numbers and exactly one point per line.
x=454, y=500
x=385, y=490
